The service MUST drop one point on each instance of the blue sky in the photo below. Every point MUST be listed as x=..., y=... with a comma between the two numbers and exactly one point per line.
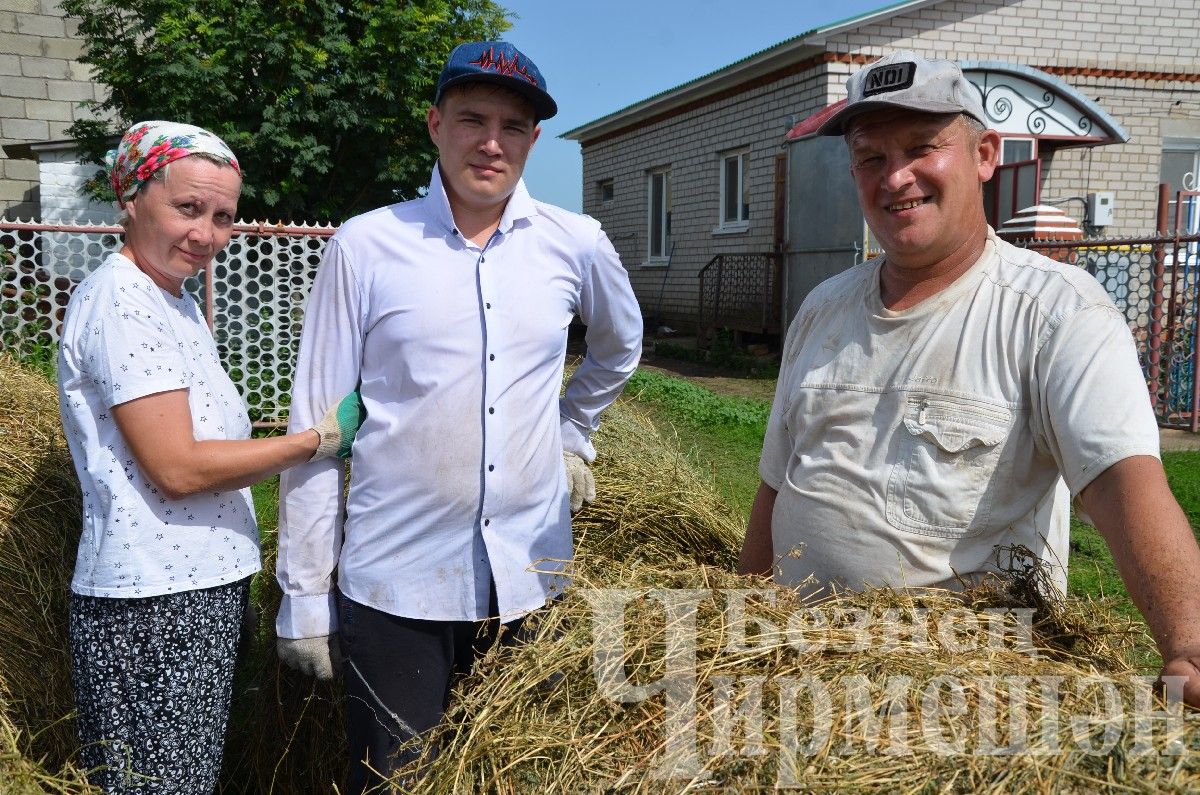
x=599, y=56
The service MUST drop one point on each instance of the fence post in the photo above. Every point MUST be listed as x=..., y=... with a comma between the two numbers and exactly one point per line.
x=1158, y=256
x=210, y=297
x=1190, y=264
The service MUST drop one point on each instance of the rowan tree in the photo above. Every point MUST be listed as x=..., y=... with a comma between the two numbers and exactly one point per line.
x=323, y=101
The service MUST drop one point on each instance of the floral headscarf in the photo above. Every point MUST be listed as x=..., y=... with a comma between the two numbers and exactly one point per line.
x=150, y=145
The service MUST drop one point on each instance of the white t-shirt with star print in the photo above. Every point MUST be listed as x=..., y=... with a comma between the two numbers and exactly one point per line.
x=125, y=338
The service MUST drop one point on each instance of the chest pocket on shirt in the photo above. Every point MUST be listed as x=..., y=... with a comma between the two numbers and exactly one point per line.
x=942, y=482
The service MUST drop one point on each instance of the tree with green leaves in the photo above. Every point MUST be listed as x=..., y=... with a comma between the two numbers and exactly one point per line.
x=322, y=100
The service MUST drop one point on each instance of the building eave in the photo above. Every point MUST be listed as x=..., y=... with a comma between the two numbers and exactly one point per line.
x=795, y=49
x=1114, y=131
x=30, y=150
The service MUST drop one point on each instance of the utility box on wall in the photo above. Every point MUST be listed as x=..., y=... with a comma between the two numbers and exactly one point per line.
x=1100, y=208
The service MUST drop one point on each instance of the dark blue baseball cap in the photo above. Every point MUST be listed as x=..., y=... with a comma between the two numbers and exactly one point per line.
x=500, y=63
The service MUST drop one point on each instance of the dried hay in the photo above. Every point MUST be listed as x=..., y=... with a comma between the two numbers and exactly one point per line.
x=755, y=703
x=39, y=530
x=654, y=509
x=741, y=701
x=20, y=775
x=579, y=710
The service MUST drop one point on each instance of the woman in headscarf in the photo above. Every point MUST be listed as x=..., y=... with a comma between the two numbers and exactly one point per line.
x=160, y=441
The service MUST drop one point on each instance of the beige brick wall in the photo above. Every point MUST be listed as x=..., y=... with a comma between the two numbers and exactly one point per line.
x=1151, y=36
x=1155, y=35
x=41, y=86
x=691, y=145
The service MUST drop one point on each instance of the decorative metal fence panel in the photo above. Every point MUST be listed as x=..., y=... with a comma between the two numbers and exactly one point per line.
x=1155, y=282
x=259, y=284
x=40, y=264
x=740, y=292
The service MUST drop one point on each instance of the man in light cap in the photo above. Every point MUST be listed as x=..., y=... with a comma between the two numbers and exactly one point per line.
x=450, y=312
x=954, y=394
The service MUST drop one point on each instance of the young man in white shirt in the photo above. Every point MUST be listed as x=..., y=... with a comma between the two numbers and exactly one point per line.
x=450, y=314
x=950, y=396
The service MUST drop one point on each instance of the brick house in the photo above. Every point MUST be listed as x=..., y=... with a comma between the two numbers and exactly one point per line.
x=42, y=84
x=1101, y=103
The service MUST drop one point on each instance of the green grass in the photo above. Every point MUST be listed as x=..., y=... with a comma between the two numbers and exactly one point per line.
x=266, y=508
x=1092, y=569
x=697, y=407
x=266, y=504
x=724, y=435
x=41, y=358
x=721, y=435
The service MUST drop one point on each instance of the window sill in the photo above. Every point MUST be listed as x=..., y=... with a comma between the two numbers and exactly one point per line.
x=656, y=262
x=732, y=229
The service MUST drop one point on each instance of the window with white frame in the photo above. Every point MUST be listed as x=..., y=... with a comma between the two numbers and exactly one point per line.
x=604, y=191
x=735, y=191
x=658, y=203
x=1017, y=150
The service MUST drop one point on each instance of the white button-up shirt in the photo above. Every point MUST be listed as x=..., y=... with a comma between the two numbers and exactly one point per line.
x=458, y=479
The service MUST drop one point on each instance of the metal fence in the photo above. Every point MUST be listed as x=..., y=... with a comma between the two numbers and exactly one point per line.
x=259, y=284
x=1155, y=282
x=740, y=292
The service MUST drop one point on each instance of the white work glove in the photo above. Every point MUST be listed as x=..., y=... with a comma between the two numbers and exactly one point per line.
x=580, y=482
x=317, y=657
x=337, y=428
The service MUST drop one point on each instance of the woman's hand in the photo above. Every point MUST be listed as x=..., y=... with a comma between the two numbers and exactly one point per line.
x=337, y=428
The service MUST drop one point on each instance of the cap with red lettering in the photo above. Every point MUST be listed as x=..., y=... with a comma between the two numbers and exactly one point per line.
x=906, y=80
x=500, y=63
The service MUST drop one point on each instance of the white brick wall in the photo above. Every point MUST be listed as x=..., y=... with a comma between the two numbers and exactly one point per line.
x=61, y=176
x=691, y=144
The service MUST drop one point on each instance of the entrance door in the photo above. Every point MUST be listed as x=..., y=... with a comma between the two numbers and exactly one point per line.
x=1012, y=188
x=824, y=224
x=1181, y=171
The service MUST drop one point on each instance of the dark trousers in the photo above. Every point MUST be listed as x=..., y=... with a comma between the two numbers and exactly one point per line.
x=398, y=673
x=153, y=679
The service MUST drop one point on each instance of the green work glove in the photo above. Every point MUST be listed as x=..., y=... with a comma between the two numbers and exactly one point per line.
x=338, y=426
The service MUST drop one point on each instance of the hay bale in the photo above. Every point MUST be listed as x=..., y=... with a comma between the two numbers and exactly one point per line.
x=653, y=506
x=654, y=509
x=564, y=713
x=284, y=730
x=20, y=775
x=748, y=706
x=740, y=717
x=39, y=531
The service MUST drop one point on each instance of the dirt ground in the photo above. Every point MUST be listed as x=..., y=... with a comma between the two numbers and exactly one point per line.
x=1178, y=440
x=711, y=378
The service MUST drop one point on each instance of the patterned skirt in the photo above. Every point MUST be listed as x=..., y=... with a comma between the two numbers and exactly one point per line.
x=153, y=679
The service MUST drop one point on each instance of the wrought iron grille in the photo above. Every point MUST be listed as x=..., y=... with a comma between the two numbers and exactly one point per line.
x=259, y=283
x=740, y=292
x=1155, y=282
